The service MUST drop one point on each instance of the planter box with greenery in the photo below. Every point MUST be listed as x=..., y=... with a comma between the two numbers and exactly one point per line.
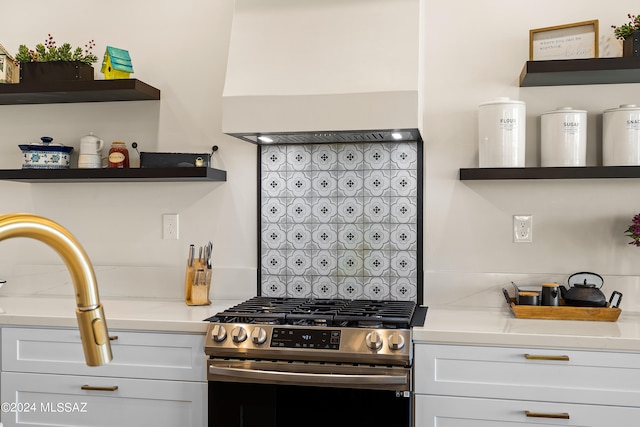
x=31, y=72
x=631, y=45
x=629, y=33
x=51, y=63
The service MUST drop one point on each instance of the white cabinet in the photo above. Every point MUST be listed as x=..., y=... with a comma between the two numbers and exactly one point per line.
x=154, y=379
x=458, y=385
x=73, y=400
x=448, y=411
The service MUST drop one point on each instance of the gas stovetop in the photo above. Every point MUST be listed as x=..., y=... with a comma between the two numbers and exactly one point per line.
x=323, y=312
x=353, y=331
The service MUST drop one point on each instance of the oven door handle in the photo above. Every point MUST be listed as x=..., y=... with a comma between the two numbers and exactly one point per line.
x=307, y=378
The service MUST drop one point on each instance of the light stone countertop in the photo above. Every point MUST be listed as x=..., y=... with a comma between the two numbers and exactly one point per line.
x=498, y=326
x=133, y=314
x=443, y=325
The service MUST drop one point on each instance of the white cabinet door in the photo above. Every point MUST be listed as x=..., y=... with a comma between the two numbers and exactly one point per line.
x=444, y=411
x=595, y=377
x=59, y=400
x=148, y=355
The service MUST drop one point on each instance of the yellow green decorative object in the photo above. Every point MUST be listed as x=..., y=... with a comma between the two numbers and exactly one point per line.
x=116, y=64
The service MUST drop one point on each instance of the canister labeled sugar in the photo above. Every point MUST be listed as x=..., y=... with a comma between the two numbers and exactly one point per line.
x=563, y=137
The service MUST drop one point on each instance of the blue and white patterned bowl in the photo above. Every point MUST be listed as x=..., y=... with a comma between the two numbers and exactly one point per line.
x=45, y=155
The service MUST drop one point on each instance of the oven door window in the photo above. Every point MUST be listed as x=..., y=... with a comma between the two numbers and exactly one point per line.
x=270, y=405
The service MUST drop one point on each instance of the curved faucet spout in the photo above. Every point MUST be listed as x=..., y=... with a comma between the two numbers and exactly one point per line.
x=91, y=320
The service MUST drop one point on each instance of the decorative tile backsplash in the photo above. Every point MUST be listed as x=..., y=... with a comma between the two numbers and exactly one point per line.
x=340, y=221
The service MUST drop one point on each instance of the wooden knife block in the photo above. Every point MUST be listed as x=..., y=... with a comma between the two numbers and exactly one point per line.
x=196, y=290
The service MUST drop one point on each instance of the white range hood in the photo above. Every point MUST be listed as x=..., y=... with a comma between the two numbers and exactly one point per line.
x=320, y=70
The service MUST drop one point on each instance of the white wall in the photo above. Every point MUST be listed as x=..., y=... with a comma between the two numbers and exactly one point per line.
x=472, y=52
x=180, y=48
x=323, y=66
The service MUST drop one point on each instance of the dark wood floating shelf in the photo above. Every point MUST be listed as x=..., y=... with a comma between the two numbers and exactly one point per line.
x=589, y=172
x=77, y=91
x=564, y=72
x=114, y=175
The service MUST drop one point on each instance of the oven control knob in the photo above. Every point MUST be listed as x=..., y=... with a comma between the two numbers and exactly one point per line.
x=238, y=334
x=218, y=333
x=396, y=341
x=374, y=340
x=258, y=335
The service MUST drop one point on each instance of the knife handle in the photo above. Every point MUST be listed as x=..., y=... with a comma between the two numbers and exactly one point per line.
x=191, y=255
x=506, y=296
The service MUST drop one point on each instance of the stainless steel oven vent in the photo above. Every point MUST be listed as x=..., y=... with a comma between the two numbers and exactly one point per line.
x=330, y=137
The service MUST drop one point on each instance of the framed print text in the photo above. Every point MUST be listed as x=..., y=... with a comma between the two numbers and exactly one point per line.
x=570, y=41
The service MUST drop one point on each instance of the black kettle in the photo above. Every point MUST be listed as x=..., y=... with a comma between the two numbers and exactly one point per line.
x=584, y=290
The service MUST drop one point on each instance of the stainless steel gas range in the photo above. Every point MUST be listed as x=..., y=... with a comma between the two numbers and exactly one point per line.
x=295, y=361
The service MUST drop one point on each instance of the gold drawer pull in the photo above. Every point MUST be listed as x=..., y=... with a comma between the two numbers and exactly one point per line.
x=543, y=357
x=113, y=338
x=562, y=415
x=90, y=387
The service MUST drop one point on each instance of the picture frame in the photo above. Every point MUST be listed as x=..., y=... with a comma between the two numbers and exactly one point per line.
x=570, y=41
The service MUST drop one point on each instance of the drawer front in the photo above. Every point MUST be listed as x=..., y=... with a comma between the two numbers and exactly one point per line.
x=607, y=378
x=135, y=354
x=60, y=400
x=439, y=411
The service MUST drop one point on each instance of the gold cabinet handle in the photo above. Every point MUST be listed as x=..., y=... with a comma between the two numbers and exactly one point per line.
x=90, y=387
x=543, y=357
x=113, y=338
x=561, y=415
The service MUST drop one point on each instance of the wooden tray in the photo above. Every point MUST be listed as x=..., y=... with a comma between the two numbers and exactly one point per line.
x=565, y=312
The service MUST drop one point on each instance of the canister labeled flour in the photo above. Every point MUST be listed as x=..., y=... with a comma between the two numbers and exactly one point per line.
x=501, y=133
x=621, y=136
x=563, y=137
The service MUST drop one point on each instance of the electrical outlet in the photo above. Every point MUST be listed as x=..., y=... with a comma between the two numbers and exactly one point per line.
x=170, y=226
x=522, y=228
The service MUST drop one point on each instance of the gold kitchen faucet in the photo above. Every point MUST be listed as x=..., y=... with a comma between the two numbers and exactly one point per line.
x=90, y=315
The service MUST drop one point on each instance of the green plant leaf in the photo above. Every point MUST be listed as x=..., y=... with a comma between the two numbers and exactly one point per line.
x=49, y=52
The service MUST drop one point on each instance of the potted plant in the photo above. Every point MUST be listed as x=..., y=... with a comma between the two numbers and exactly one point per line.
x=629, y=33
x=634, y=231
x=49, y=62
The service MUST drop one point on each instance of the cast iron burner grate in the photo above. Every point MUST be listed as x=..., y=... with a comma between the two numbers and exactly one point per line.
x=320, y=312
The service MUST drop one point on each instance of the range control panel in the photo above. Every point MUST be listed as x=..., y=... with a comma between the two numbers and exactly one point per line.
x=306, y=338
x=366, y=345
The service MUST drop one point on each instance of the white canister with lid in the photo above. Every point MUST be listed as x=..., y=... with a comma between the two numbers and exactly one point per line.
x=502, y=133
x=621, y=136
x=563, y=137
